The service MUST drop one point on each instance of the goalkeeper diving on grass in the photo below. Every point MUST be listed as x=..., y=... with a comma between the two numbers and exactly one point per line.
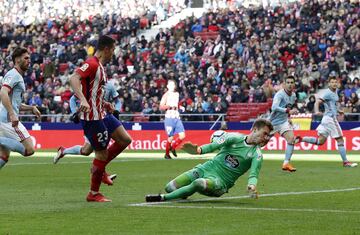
x=237, y=154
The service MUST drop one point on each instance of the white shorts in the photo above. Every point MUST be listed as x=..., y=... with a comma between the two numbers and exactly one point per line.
x=282, y=128
x=18, y=133
x=329, y=126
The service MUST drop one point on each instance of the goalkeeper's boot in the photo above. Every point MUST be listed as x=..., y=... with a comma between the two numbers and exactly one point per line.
x=288, y=167
x=60, y=154
x=154, y=198
x=167, y=156
x=350, y=164
x=108, y=179
x=173, y=152
x=98, y=197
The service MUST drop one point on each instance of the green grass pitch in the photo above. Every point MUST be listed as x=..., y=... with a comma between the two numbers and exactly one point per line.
x=38, y=197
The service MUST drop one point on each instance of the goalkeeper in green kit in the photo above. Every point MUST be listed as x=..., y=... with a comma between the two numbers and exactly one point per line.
x=237, y=154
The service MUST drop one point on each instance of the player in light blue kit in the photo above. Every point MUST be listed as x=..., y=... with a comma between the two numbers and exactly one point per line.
x=13, y=135
x=281, y=110
x=329, y=124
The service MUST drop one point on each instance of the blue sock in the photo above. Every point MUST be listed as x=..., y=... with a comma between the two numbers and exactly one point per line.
x=288, y=152
x=12, y=145
x=342, y=152
x=312, y=140
x=73, y=150
x=2, y=163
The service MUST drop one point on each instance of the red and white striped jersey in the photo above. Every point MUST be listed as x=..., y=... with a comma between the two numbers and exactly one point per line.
x=93, y=79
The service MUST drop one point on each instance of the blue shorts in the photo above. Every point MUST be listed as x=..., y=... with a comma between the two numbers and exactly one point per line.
x=97, y=133
x=173, y=126
x=111, y=123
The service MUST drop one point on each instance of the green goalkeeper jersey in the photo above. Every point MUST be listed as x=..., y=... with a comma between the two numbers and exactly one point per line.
x=234, y=158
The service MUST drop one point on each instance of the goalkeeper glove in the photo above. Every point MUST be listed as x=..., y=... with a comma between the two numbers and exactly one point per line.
x=190, y=148
x=253, y=193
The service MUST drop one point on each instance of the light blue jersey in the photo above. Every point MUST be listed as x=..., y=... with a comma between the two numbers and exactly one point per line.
x=330, y=100
x=15, y=82
x=110, y=95
x=281, y=102
x=110, y=92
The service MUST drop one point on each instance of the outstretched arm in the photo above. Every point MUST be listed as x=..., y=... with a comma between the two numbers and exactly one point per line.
x=254, y=174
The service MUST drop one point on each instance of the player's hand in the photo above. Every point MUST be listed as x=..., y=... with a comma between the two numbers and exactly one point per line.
x=182, y=108
x=190, y=148
x=293, y=112
x=36, y=112
x=14, y=119
x=109, y=107
x=84, y=106
x=253, y=193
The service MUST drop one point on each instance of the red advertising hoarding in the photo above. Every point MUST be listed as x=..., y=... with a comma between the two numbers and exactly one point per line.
x=156, y=140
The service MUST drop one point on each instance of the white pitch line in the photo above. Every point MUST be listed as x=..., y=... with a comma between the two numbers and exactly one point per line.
x=164, y=204
x=256, y=209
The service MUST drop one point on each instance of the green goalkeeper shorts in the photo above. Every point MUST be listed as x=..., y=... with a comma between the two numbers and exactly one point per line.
x=215, y=185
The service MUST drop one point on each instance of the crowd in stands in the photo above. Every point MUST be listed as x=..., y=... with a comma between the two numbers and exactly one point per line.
x=226, y=56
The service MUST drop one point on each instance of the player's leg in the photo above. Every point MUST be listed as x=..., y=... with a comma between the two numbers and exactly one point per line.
x=174, y=186
x=179, y=129
x=11, y=138
x=29, y=146
x=85, y=150
x=122, y=140
x=184, y=179
x=342, y=151
x=169, y=128
x=206, y=186
x=320, y=140
x=289, y=137
x=12, y=145
x=4, y=156
x=97, y=134
x=323, y=130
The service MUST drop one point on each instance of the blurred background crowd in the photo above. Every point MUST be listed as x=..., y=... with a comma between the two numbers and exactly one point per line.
x=228, y=55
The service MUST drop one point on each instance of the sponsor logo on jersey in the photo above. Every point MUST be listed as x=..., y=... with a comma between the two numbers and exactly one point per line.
x=231, y=161
x=220, y=140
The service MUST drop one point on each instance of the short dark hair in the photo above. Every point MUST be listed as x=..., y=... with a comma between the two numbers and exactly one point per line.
x=105, y=41
x=260, y=123
x=290, y=77
x=331, y=78
x=18, y=51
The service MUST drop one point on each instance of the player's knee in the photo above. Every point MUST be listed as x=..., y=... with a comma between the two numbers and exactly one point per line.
x=128, y=140
x=200, y=184
x=321, y=140
x=170, y=187
x=86, y=152
x=29, y=152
